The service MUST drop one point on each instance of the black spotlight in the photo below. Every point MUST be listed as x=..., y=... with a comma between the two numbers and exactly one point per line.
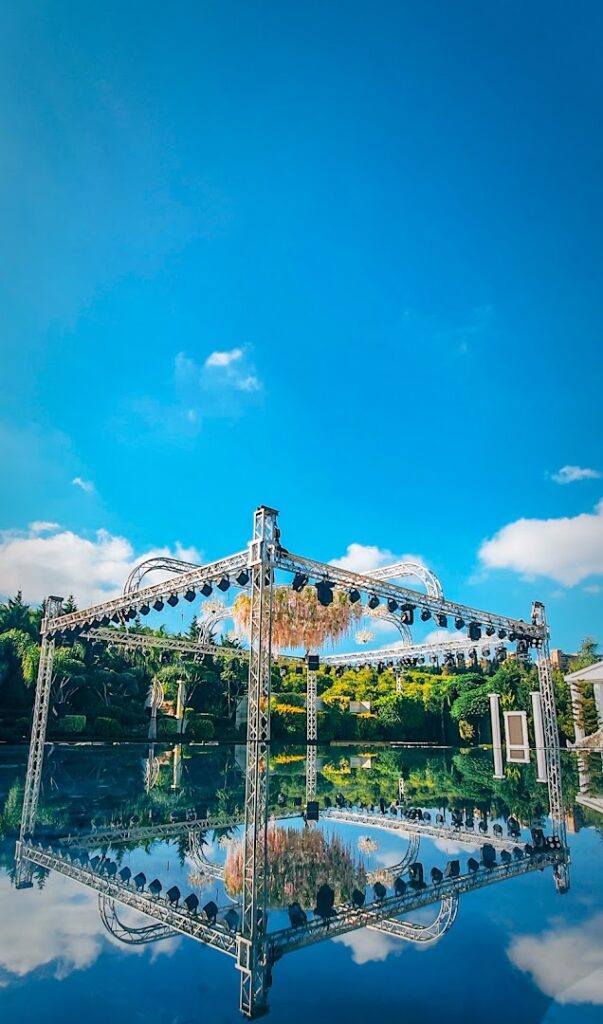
x=172, y=600
x=488, y=856
x=104, y=621
x=490, y=631
x=158, y=605
x=211, y=911
x=459, y=622
x=297, y=916
x=392, y=606
x=189, y=596
x=173, y=895
x=353, y=595
x=125, y=874
x=243, y=578
x=155, y=887
x=312, y=810
x=223, y=584
x=379, y=891
x=425, y=614
x=324, y=592
x=206, y=589
x=408, y=614
x=538, y=838
x=505, y=857
x=502, y=634
x=475, y=632
x=300, y=580
x=512, y=636
x=325, y=899
x=358, y=899
x=373, y=601
x=436, y=876
x=453, y=869
x=144, y=609
x=140, y=880
x=313, y=662
x=497, y=829
x=399, y=886
x=473, y=865
x=416, y=875
x=442, y=620
x=191, y=903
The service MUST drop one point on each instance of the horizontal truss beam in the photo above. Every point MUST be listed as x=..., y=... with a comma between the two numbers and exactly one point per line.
x=385, y=589
x=349, y=918
x=423, y=829
x=400, y=652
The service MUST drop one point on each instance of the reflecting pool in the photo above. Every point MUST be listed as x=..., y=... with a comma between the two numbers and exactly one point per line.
x=507, y=942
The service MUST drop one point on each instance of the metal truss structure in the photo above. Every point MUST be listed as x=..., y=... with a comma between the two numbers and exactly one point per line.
x=396, y=654
x=130, y=935
x=265, y=560
x=403, y=569
x=412, y=931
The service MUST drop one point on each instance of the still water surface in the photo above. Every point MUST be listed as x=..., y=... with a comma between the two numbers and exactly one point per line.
x=517, y=949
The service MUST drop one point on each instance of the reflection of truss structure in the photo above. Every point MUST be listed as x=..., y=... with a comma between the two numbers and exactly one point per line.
x=257, y=567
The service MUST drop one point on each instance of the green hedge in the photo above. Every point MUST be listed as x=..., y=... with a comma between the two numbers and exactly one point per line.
x=200, y=729
x=167, y=726
x=71, y=724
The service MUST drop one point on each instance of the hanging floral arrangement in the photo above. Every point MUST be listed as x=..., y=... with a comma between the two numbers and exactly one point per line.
x=300, y=621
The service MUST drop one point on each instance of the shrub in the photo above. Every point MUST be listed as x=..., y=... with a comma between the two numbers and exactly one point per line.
x=167, y=727
x=200, y=729
x=71, y=724
x=108, y=728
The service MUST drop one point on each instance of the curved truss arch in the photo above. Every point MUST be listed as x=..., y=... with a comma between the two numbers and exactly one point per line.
x=161, y=563
x=388, y=874
x=401, y=569
x=421, y=934
x=128, y=934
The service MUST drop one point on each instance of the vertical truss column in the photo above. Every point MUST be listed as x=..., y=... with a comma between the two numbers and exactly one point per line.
x=310, y=772
x=251, y=956
x=33, y=776
x=311, y=719
x=551, y=739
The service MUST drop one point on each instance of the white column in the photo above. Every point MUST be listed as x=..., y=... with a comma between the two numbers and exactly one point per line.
x=496, y=737
x=541, y=772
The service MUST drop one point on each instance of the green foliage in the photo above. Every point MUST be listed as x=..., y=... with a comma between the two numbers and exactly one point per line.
x=200, y=728
x=167, y=727
x=71, y=724
x=107, y=728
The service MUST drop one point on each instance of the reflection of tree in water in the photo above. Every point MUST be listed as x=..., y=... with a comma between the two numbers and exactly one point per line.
x=299, y=862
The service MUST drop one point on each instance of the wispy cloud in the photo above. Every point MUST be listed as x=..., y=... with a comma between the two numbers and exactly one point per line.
x=84, y=485
x=42, y=526
x=569, y=474
x=223, y=385
x=224, y=358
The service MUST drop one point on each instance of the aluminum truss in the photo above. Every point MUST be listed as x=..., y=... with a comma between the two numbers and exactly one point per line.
x=419, y=828
x=412, y=931
x=394, y=654
x=148, y=641
x=128, y=934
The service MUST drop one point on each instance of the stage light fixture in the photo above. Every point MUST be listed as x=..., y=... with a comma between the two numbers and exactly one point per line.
x=442, y=620
x=379, y=891
x=459, y=622
x=300, y=580
x=473, y=865
x=353, y=595
x=392, y=606
x=373, y=601
x=408, y=614
x=231, y=919
x=399, y=886
x=453, y=869
x=297, y=916
x=105, y=620
x=474, y=631
x=502, y=634
x=325, y=900
x=206, y=590
x=191, y=903
x=223, y=584
x=358, y=899
x=125, y=874
x=189, y=596
x=144, y=609
x=436, y=876
x=173, y=895
x=490, y=630
x=172, y=600
x=324, y=592
x=155, y=887
x=512, y=636
x=425, y=614
x=242, y=578
x=211, y=911
x=140, y=880
x=416, y=875
x=116, y=617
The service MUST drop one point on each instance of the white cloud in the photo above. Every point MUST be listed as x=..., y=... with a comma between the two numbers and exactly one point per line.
x=592, y=588
x=42, y=526
x=84, y=485
x=250, y=383
x=364, y=557
x=93, y=570
x=569, y=474
x=224, y=358
x=567, y=550
x=565, y=963
x=368, y=945
x=58, y=926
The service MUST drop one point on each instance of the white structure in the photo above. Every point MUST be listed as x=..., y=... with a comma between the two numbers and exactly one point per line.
x=592, y=675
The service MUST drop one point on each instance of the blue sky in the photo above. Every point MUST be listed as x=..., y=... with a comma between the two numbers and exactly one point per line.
x=384, y=219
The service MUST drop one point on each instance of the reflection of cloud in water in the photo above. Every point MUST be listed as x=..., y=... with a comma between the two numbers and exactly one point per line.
x=368, y=945
x=565, y=963
x=453, y=848
x=58, y=925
